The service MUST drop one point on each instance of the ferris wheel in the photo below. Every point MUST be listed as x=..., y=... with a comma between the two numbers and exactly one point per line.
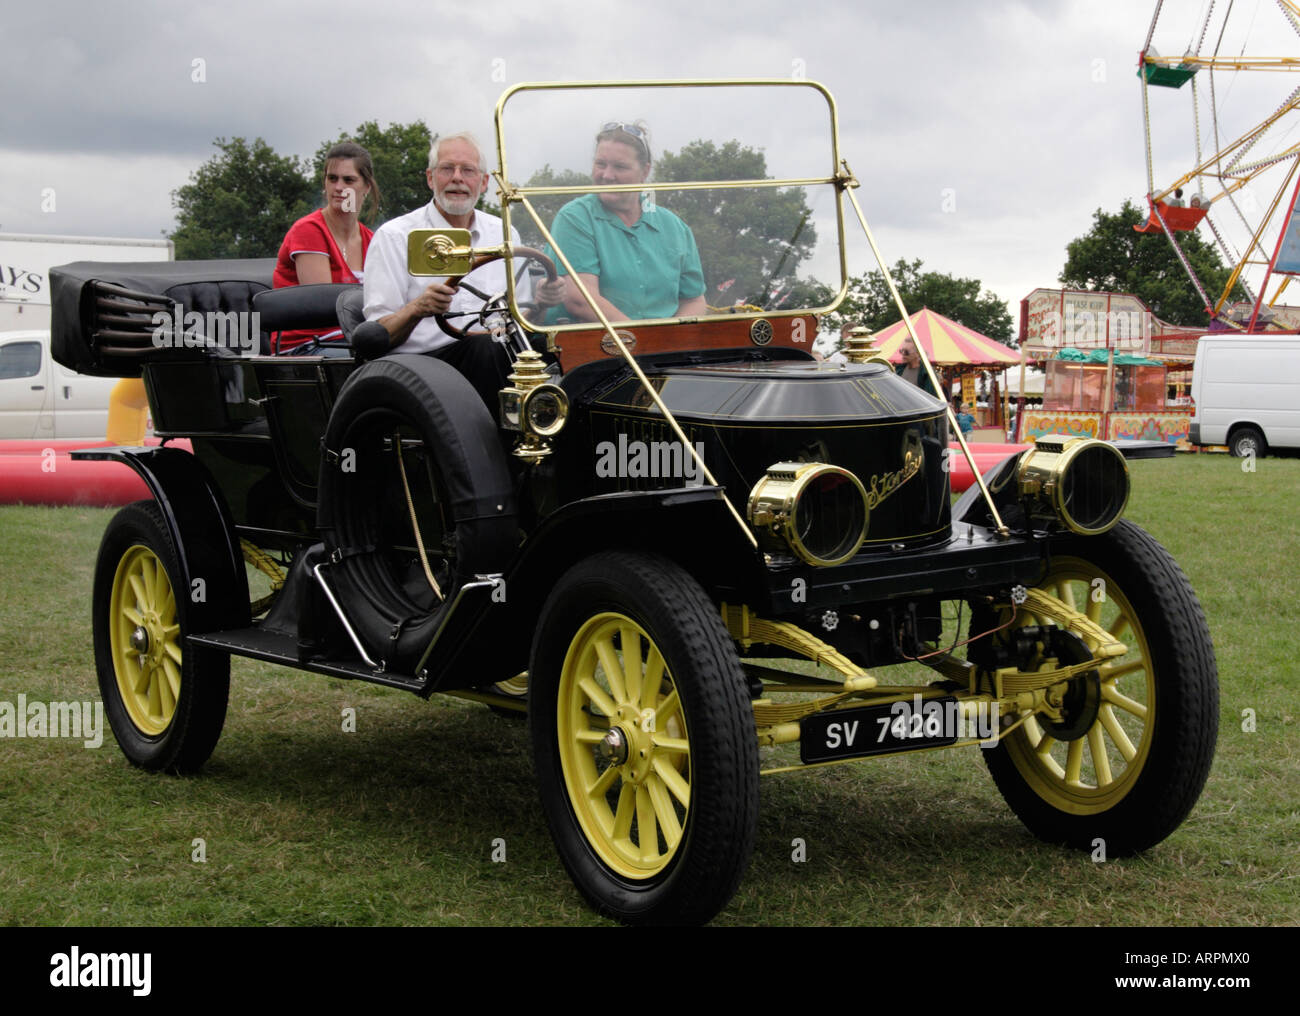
x=1235, y=176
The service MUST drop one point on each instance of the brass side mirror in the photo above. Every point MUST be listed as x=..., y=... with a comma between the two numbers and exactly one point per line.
x=439, y=252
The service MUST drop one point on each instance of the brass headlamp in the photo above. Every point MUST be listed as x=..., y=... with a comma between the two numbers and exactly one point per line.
x=1077, y=481
x=534, y=406
x=818, y=511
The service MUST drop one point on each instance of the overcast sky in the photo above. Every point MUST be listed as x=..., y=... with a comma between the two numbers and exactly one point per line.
x=985, y=133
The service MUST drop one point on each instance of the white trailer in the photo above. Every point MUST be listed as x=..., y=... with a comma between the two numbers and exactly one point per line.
x=26, y=260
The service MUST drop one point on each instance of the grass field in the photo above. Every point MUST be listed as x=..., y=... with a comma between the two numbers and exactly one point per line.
x=397, y=823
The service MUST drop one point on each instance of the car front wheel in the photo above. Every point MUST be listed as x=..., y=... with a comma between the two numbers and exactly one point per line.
x=1128, y=759
x=643, y=738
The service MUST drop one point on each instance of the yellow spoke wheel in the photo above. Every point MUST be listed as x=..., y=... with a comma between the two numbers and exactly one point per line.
x=624, y=747
x=145, y=640
x=1090, y=771
x=1129, y=758
x=165, y=702
x=643, y=739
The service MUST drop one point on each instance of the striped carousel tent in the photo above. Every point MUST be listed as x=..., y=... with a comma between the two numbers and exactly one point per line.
x=946, y=343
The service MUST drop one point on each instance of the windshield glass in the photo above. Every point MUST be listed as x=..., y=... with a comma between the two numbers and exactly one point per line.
x=678, y=200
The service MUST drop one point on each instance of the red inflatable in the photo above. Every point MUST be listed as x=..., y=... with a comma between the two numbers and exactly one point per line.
x=986, y=457
x=43, y=472
x=63, y=445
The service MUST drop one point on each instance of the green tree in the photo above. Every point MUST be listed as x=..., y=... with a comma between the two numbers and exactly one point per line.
x=751, y=240
x=240, y=203
x=400, y=155
x=1113, y=257
x=869, y=301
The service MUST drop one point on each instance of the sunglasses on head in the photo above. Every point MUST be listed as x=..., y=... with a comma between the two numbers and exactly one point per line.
x=632, y=130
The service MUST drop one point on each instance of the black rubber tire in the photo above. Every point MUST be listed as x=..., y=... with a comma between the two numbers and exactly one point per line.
x=200, y=707
x=718, y=830
x=1147, y=804
x=1247, y=441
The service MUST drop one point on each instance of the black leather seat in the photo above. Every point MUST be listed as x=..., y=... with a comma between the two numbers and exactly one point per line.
x=302, y=307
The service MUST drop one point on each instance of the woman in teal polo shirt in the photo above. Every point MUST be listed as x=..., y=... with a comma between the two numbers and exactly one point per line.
x=636, y=259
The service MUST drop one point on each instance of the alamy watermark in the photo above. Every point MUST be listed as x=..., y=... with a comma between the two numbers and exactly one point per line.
x=920, y=719
x=81, y=721
x=75, y=969
x=1090, y=328
x=231, y=329
x=650, y=460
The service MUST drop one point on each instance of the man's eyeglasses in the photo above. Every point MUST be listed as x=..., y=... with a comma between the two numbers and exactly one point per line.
x=451, y=168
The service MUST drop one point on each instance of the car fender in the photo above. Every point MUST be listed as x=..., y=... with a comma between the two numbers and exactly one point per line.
x=201, y=528
x=1000, y=481
x=691, y=525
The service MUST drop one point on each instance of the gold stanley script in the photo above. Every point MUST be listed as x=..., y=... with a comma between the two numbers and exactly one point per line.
x=882, y=485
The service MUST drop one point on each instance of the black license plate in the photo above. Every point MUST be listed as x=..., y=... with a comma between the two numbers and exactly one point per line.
x=880, y=730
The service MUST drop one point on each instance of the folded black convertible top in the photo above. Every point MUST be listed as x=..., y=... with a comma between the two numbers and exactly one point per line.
x=98, y=308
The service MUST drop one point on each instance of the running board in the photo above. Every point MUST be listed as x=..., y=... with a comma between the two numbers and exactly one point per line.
x=272, y=647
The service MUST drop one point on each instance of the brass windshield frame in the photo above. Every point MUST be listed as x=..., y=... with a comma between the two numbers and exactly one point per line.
x=511, y=195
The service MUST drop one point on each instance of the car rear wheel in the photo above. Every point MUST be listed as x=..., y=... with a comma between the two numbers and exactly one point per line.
x=166, y=702
x=643, y=738
x=1129, y=759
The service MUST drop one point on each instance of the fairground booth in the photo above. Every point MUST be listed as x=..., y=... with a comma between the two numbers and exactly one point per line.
x=1114, y=370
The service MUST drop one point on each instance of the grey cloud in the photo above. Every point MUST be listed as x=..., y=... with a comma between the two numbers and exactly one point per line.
x=991, y=99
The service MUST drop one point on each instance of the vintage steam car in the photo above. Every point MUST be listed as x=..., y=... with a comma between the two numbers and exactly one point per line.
x=666, y=524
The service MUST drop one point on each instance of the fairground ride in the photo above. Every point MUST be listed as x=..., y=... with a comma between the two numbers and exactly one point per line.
x=1241, y=186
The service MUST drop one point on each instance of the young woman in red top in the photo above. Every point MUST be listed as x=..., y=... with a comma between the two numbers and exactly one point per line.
x=330, y=244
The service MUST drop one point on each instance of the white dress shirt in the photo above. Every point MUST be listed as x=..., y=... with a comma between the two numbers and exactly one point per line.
x=389, y=286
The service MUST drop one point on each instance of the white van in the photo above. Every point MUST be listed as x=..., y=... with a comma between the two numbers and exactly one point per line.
x=1246, y=389
x=42, y=399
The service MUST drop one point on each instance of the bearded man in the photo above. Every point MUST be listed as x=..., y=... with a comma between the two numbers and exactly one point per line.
x=405, y=304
